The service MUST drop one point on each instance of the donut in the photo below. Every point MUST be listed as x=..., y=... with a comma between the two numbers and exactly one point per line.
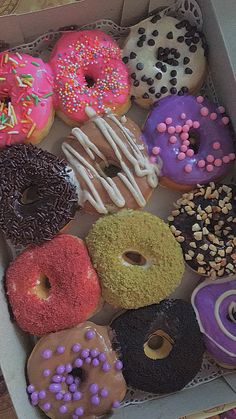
x=136, y=258
x=75, y=373
x=164, y=56
x=111, y=164
x=26, y=104
x=192, y=137
x=204, y=223
x=214, y=303
x=88, y=70
x=37, y=195
x=160, y=346
x=52, y=286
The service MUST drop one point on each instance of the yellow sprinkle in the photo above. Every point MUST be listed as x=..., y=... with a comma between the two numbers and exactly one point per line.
x=2, y=106
x=14, y=115
x=31, y=130
x=2, y=78
x=6, y=58
x=24, y=121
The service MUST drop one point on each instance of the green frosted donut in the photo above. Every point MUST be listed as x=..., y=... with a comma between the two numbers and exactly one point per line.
x=137, y=258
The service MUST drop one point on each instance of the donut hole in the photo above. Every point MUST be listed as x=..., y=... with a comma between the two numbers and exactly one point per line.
x=5, y=100
x=42, y=288
x=158, y=345
x=111, y=170
x=90, y=81
x=29, y=195
x=134, y=258
x=78, y=373
x=194, y=140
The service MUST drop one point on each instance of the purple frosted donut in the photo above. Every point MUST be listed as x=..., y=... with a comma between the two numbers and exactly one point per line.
x=192, y=137
x=214, y=303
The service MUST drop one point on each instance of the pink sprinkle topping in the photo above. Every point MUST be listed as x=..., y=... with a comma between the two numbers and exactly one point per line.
x=218, y=162
x=156, y=150
x=171, y=130
x=204, y=111
x=190, y=152
x=168, y=121
x=172, y=139
x=221, y=109
x=161, y=127
x=184, y=136
x=210, y=158
x=225, y=120
x=181, y=156
x=184, y=148
x=186, y=142
x=201, y=163
x=200, y=99
x=183, y=116
x=196, y=124
x=226, y=159
x=186, y=128
x=232, y=156
x=210, y=167
x=178, y=129
x=213, y=116
x=152, y=159
x=189, y=122
x=216, y=145
x=188, y=168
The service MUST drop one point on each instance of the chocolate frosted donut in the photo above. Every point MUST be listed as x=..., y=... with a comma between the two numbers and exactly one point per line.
x=161, y=346
x=26, y=169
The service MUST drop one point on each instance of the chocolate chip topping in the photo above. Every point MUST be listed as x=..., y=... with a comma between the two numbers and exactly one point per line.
x=158, y=95
x=173, y=90
x=193, y=48
x=141, y=31
x=136, y=83
x=140, y=44
x=140, y=66
x=145, y=95
x=173, y=73
x=180, y=39
x=152, y=90
x=133, y=76
x=170, y=35
x=155, y=33
x=164, y=89
x=26, y=166
x=150, y=81
x=125, y=60
x=132, y=55
x=151, y=42
x=158, y=76
x=155, y=18
x=186, y=60
x=188, y=70
x=173, y=81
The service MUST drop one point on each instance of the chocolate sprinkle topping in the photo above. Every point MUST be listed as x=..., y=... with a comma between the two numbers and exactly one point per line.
x=26, y=166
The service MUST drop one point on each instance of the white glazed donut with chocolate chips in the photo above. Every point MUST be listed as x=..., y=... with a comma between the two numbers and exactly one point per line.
x=164, y=56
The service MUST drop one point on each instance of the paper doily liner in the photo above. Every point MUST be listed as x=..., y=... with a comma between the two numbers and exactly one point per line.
x=42, y=46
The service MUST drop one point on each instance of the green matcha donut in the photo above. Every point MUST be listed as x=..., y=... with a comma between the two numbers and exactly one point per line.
x=136, y=257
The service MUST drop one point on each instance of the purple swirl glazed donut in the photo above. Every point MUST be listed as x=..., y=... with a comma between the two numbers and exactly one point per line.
x=192, y=137
x=214, y=303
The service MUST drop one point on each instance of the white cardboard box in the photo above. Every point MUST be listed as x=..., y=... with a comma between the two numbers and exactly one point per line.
x=15, y=346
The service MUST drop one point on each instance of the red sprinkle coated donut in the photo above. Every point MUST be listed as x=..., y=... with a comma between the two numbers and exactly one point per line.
x=53, y=286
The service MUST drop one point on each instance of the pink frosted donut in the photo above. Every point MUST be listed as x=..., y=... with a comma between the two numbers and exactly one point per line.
x=26, y=108
x=88, y=71
x=191, y=136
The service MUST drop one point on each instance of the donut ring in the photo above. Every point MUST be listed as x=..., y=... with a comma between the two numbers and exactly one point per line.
x=204, y=223
x=26, y=106
x=214, y=303
x=164, y=57
x=25, y=168
x=88, y=71
x=161, y=346
x=191, y=136
x=111, y=164
x=75, y=373
x=135, y=257
x=52, y=286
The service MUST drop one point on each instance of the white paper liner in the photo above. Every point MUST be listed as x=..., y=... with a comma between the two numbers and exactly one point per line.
x=42, y=46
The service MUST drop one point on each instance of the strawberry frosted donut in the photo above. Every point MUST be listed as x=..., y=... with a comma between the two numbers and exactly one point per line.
x=26, y=109
x=191, y=136
x=53, y=286
x=88, y=71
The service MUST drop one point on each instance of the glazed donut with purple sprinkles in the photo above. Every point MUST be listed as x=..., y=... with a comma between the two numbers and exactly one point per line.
x=192, y=137
x=75, y=373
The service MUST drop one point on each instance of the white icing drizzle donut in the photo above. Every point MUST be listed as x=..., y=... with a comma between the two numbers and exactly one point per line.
x=134, y=154
x=164, y=56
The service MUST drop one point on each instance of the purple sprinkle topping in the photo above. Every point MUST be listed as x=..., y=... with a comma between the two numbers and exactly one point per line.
x=30, y=388
x=63, y=379
x=118, y=365
x=90, y=334
x=56, y=378
x=93, y=388
x=94, y=353
x=69, y=368
x=85, y=353
x=34, y=396
x=42, y=394
x=55, y=388
x=63, y=409
x=88, y=360
x=75, y=417
x=77, y=395
x=116, y=404
x=95, y=362
x=59, y=396
x=102, y=357
x=69, y=379
x=106, y=367
x=60, y=349
x=73, y=388
x=79, y=411
x=77, y=381
x=46, y=373
x=47, y=353
x=103, y=392
x=78, y=363
x=34, y=402
x=47, y=407
x=67, y=397
x=95, y=400
x=60, y=369
x=76, y=347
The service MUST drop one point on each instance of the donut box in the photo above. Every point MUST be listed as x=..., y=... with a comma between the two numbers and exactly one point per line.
x=15, y=345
